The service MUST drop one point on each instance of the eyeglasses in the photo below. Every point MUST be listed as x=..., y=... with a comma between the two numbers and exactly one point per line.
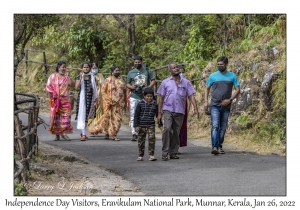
x=139, y=75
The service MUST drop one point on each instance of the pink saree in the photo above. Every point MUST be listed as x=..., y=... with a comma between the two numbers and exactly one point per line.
x=60, y=108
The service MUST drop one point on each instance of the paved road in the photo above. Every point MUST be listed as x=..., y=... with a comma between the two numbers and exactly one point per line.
x=196, y=173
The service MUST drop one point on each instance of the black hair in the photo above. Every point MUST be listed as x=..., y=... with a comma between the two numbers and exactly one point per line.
x=148, y=90
x=113, y=68
x=223, y=59
x=59, y=65
x=137, y=57
x=94, y=63
x=85, y=62
x=181, y=67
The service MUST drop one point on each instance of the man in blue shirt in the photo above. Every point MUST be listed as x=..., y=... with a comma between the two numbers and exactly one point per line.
x=221, y=83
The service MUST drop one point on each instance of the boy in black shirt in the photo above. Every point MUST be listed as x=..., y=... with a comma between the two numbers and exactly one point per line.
x=144, y=123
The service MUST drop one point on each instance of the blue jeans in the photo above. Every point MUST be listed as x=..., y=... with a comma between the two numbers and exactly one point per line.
x=219, y=119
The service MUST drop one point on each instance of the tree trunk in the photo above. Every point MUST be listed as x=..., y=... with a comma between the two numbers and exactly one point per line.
x=131, y=36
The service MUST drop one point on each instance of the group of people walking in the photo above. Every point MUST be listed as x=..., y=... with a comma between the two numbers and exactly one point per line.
x=101, y=101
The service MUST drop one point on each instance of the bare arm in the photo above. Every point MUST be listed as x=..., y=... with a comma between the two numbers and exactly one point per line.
x=129, y=86
x=160, y=102
x=193, y=101
x=152, y=83
x=206, y=94
x=78, y=82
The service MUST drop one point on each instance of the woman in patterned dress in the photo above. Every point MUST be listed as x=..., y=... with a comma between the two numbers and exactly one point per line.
x=99, y=82
x=114, y=101
x=87, y=97
x=58, y=86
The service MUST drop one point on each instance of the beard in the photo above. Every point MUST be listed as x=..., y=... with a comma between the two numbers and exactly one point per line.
x=176, y=74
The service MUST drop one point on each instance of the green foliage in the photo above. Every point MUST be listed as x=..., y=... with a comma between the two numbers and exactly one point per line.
x=245, y=45
x=26, y=27
x=269, y=132
x=19, y=189
x=243, y=120
x=79, y=38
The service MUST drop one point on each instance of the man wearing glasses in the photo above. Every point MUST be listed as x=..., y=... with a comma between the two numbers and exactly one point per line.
x=137, y=79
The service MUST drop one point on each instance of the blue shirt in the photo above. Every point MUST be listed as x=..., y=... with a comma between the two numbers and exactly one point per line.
x=221, y=86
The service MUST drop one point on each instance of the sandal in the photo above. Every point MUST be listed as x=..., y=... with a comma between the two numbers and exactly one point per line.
x=106, y=136
x=139, y=159
x=65, y=137
x=92, y=134
x=56, y=138
x=83, y=138
x=115, y=139
x=152, y=158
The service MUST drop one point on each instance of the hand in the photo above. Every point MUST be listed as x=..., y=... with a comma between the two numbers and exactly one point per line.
x=54, y=96
x=137, y=129
x=205, y=105
x=225, y=102
x=196, y=113
x=96, y=104
x=159, y=117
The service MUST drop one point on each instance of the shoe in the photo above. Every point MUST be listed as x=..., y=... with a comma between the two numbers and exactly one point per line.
x=139, y=159
x=152, y=158
x=134, y=137
x=164, y=158
x=221, y=151
x=174, y=157
x=65, y=137
x=106, y=136
x=92, y=135
x=178, y=153
x=56, y=138
x=83, y=138
x=215, y=151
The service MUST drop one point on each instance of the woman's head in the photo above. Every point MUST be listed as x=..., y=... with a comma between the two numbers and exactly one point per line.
x=94, y=68
x=86, y=67
x=181, y=70
x=115, y=70
x=61, y=67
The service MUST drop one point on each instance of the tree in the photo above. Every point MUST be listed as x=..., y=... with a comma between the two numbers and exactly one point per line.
x=27, y=26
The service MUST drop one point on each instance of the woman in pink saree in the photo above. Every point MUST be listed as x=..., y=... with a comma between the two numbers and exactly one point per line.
x=58, y=86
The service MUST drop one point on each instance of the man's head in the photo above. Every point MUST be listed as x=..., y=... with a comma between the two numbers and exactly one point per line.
x=222, y=63
x=138, y=61
x=173, y=69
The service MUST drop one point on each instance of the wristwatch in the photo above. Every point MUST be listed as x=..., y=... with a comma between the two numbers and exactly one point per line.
x=230, y=100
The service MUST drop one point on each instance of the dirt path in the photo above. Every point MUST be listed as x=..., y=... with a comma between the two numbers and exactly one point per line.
x=59, y=172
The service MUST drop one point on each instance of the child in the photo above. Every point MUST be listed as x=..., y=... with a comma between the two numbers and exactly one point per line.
x=144, y=123
x=87, y=96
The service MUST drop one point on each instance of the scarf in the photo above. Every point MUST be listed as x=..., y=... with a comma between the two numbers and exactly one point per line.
x=82, y=104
